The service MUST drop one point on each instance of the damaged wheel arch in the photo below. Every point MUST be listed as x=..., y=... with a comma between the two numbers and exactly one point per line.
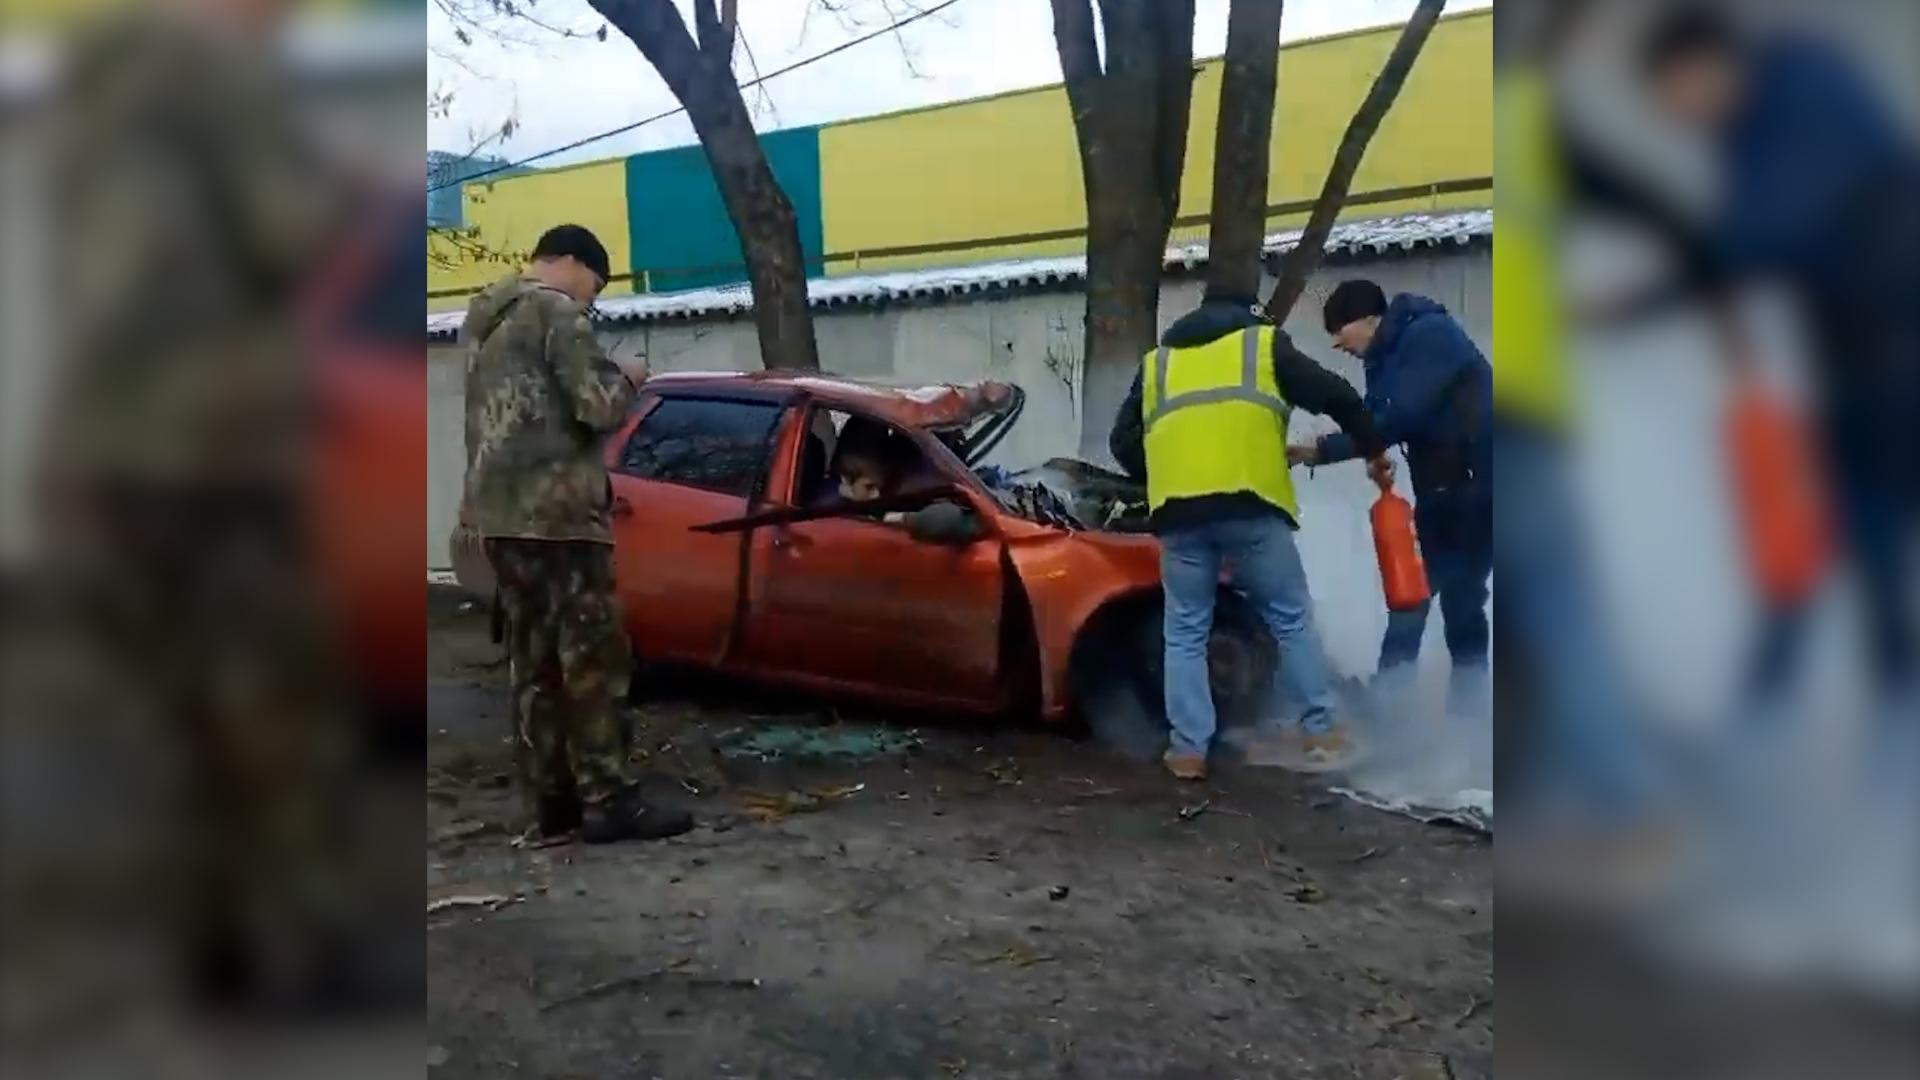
x=1116, y=670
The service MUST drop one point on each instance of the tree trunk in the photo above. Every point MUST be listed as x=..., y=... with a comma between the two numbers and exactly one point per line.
x=1130, y=119
x=700, y=74
x=769, y=233
x=1301, y=262
x=1242, y=148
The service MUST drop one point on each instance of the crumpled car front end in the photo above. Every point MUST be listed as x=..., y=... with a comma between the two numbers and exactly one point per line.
x=1070, y=494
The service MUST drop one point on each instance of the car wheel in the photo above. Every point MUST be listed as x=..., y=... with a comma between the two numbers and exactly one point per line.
x=1118, y=675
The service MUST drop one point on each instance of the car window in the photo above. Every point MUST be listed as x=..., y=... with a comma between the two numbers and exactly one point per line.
x=712, y=444
x=886, y=453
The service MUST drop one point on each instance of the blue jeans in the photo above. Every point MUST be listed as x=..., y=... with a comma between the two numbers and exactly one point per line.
x=1575, y=729
x=1456, y=543
x=1261, y=560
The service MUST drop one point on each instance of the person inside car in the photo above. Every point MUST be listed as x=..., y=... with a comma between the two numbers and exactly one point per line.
x=872, y=463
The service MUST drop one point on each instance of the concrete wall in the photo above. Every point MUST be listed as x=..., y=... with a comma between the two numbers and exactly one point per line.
x=1035, y=341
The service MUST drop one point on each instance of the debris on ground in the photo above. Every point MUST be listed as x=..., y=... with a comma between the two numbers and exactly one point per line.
x=810, y=743
x=1307, y=892
x=1017, y=956
x=673, y=972
x=1474, y=1005
x=1431, y=1064
x=1188, y=813
x=1004, y=772
x=1058, y=892
x=765, y=806
x=468, y=829
x=490, y=901
x=1370, y=853
x=1469, y=809
x=1093, y=791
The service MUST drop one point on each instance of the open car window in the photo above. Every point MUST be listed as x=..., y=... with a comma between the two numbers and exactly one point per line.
x=846, y=451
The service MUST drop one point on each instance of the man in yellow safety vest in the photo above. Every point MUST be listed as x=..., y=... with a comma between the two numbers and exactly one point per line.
x=1206, y=425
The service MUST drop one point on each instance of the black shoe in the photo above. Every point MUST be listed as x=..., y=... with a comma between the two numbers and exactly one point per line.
x=559, y=815
x=628, y=816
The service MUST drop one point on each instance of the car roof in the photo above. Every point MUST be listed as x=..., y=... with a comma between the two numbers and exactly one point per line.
x=905, y=403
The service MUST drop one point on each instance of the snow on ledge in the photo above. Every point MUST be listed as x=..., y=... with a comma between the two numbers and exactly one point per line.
x=1403, y=232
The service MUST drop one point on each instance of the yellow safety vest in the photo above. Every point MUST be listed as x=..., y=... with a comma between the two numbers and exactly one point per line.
x=1531, y=380
x=1216, y=422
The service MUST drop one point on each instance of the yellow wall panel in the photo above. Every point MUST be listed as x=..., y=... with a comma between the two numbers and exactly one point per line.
x=991, y=167
x=506, y=218
x=1007, y=165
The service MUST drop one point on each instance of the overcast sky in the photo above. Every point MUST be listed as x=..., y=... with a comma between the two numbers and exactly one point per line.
x=558, y=90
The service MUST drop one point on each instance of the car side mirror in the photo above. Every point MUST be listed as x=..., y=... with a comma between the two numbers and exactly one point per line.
x=945, y=522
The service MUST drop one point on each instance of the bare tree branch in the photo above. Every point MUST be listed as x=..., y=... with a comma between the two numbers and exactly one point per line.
x=495, y=20
x=661, y=34
x=1301, y=262
x=894, y=12
x=764, y=95
x=1242, y=141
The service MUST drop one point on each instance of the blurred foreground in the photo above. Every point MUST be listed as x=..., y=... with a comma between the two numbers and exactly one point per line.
x=1708, y=712
x=212, y=526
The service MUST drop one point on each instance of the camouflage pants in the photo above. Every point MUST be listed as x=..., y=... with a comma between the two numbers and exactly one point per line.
x=201, y=602
x=570, y=666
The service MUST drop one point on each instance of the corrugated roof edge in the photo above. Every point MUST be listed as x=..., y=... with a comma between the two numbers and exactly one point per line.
x=1377, y=236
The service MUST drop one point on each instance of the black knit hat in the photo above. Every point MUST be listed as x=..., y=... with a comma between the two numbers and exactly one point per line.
x=1351, y=301
x=580, y=243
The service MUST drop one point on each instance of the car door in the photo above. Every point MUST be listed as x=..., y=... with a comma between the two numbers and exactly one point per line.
x=687, y=461
x=855, y=603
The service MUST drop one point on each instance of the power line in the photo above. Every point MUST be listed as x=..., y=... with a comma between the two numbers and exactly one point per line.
x=677, y=110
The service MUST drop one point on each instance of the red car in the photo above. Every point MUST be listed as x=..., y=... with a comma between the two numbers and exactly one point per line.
x=369, y=391
x=735, y=554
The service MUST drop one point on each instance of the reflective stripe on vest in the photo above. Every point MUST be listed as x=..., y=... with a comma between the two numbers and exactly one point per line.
x=1248, y=390
x=1227, y=434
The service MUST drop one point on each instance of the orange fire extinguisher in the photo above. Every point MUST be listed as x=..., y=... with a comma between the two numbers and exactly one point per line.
x=1779, y=496
x=1403, y=576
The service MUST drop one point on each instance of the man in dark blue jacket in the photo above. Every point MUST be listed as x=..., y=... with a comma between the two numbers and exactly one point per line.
x=1818, y=193
x=1430, y=390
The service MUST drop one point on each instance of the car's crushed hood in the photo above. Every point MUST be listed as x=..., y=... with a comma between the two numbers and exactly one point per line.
x=1071, y=494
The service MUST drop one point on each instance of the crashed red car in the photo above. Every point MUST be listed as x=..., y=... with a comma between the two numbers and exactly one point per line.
x=734, y=554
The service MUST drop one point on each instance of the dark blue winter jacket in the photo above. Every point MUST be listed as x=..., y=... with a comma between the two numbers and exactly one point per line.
x=1429, y=389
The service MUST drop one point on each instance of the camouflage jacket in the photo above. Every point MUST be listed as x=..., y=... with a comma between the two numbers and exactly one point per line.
x=541, y=397
x=193, y=203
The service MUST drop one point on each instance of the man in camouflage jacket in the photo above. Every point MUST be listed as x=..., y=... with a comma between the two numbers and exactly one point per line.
x=541, y=396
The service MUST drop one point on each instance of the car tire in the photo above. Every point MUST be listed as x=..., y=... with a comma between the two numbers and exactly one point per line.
x=1118, y=677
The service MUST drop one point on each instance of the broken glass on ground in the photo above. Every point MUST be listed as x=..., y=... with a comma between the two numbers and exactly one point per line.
x=803, y=743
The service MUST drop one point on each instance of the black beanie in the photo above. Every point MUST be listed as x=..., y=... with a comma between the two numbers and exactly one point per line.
x=579, y=242
x=1351, y=301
